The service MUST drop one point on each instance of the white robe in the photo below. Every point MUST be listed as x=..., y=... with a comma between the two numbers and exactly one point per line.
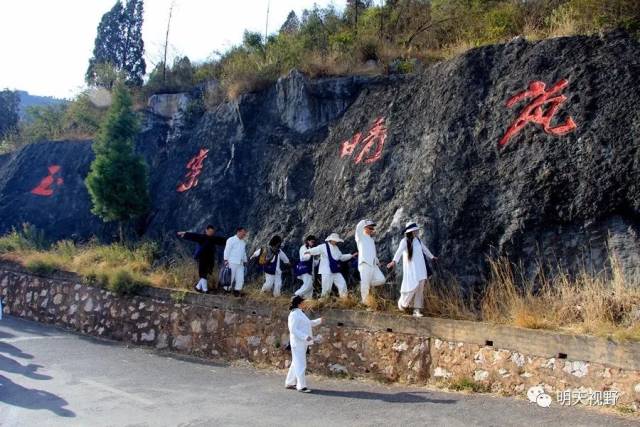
x=413, y=270
x=300, y=328
x=336, y=254
x=366, y=246
x=235, y=251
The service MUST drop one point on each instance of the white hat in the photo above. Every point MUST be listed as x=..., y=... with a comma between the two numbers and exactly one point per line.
x=369, y=223
x=333, y=237
x=411, y=226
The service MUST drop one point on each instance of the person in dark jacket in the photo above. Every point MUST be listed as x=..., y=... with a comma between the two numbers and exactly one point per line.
x=205, y=253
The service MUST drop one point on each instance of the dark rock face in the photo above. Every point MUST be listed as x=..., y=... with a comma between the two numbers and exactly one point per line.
x=274, y=162
x=43, y=184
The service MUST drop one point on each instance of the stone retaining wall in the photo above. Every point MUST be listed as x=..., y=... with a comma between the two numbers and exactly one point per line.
x=380, y=346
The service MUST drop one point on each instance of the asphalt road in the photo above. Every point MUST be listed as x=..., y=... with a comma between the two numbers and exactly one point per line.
x=50, y=377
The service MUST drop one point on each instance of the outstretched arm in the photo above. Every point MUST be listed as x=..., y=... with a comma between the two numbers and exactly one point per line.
x=256, y=253
x=398, y=255
x=359, y=230
x=427, y=252
x=194, y=237
x=346, y=257
x=314, y=251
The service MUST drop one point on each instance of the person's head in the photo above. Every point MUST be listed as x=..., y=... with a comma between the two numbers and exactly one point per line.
x=334, y=239
x=210, y=230
x=370, y=227
x=310, y=241
x=275, y=241
x=241, y=232
x=296, y=302
x=410, y=232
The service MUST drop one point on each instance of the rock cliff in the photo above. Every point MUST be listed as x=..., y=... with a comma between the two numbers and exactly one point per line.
x=526, y=149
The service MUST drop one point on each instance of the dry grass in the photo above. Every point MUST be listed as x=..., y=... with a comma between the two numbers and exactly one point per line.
x=598, y=304
x=603, y=304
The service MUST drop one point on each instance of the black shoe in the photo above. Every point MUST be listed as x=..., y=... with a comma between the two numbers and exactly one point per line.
x=290, y=387
x=197, y=289
x=304, y=390
x=236, y=294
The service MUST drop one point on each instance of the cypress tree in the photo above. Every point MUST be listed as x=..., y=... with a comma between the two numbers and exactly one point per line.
x=119, y=43
x=117, y=181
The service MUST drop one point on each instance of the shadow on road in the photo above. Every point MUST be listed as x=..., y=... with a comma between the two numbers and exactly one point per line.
x=13, y=351
x=30, y=398
x=403, y=397
x=4, y=335
x=30, y=371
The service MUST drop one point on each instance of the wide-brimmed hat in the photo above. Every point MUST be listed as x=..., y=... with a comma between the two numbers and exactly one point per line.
x=333, y=237
x=411, y=226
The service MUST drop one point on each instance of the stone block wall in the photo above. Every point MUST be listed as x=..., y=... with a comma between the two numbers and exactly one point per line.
x=374, y=345
x=161, y=321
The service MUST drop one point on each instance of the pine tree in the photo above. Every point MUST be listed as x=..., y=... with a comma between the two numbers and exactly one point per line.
x=117, y=181
x=119, y=43
x=9, y=109
x=291, y=24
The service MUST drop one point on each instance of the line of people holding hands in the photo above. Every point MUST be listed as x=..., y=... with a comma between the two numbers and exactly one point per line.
x=325, y=259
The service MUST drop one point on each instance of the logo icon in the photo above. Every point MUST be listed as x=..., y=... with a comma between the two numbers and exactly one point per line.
x=537, y=395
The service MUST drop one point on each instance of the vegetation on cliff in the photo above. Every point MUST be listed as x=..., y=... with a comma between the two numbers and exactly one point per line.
x=398, y=37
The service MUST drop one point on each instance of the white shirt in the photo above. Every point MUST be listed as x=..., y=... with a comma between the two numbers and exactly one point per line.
x=306, y=257
x=300, y=328
x=414, y=270
x=235, y=251
x=282, y=257
x=366, y=246
x=336, y=254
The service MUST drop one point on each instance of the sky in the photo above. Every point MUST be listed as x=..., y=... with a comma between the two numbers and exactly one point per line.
x=45, y=45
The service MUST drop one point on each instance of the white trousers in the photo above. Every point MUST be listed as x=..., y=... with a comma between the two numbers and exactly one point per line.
x=369, y=276
x=328, y=280
x=237, y=276
x=306, y=290
x=298, y=366
x=202, y=285
x=272, y=281
x=416, y=297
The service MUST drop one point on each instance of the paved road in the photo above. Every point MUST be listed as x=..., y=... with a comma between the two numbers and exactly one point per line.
x=50, y=377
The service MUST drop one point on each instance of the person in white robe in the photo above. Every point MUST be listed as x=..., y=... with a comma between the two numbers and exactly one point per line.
x=235, y=257
x=414, y=269
x=272, y=270
x=329, y=269
x=307, y=263
x=368, y=263
x=300, y=338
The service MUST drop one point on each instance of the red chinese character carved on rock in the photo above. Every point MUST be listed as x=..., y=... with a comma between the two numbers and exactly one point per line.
x=372, y=144
x=195, y=168
x=49, y=183
x=533, y=112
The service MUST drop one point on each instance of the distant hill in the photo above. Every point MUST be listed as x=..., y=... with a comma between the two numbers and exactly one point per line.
x=27, y=100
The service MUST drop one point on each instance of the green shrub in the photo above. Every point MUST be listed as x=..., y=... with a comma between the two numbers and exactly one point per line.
x=467, y=384
x=11, y=242
x=123, y=282
x=28, y=238
x=41, y=266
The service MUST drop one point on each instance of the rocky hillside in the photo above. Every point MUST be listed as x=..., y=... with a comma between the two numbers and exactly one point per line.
x=530, y=150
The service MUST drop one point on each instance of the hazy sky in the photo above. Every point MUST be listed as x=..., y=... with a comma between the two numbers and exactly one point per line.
x=45, y=45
